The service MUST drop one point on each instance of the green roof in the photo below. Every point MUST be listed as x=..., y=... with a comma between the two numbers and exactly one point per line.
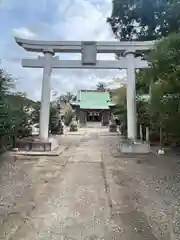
x=94, y=100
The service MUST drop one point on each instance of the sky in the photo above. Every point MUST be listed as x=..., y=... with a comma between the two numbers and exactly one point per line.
x=54, y=20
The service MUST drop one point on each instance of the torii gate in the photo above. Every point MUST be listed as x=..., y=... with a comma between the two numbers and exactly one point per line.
x=88, y=50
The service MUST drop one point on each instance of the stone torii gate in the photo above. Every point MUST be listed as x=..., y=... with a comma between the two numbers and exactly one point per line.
x=89, y=51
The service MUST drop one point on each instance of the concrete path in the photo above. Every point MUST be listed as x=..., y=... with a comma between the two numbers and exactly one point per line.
x=85, y=193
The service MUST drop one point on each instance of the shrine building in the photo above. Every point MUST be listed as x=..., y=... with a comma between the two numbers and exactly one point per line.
x=93, y=106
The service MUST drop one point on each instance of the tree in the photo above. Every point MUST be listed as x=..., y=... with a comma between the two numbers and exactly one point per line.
x=164, y=74
x=144, y=79
x=53, y=118
x=6, y=84
x=144, y=19
x=119, y=98
x=64, y=103
x=35, y=113
x=121, y=109
x=165, y=61
x=165, y=102
x=69, y=114
x=101, y=87
x=66, y=97
x=15, y=112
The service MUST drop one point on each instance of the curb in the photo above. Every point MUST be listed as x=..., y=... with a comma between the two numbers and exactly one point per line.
x=54, y=153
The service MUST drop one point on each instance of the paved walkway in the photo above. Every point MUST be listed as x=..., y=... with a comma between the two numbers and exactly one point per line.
x=89, y=192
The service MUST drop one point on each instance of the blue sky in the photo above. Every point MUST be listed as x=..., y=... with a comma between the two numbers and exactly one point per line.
x=53, y=20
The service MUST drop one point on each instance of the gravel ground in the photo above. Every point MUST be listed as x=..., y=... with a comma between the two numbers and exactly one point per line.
x=151, y=186
x=91, y=191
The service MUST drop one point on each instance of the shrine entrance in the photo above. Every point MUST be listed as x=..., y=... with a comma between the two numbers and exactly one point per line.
x=131, y=57
x=93, y=116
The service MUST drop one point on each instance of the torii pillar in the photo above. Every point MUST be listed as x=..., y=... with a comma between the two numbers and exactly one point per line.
x=131, y=96
x=46, y=94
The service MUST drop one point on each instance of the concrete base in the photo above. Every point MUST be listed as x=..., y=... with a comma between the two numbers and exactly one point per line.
x=135, y=147
x=82, y=125
x=54, y=153
x=112, y=129
x=104, y=124
x=161, y=152
x=37, y=145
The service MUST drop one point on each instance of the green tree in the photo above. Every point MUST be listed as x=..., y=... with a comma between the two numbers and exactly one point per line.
x=54, y=117
x=66, y=97
x=119, y=98
x=63, y=102
x=15, y=112
x=144, y=19
x=101, y=86
x=35, y=113
x=165, y=101
x=6, y=84
x=165, y=61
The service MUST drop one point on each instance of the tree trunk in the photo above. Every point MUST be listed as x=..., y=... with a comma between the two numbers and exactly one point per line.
x=141, y=132
x=14, y=141
x=2, y=146
x=161, y=137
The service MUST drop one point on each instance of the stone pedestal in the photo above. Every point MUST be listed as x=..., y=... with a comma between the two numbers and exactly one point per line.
x=112, y=128
x=37, y=145
x=134, y=147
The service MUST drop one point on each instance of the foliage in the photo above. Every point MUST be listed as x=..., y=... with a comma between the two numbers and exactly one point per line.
x=142, y=112
x=66, y=97
x=64, y=102
x=165, y=100
x=144, y=20
x=54, y=118
x=120, y=96
x=119, y=99
x=144, y=80
x=150, y=20
x=6, y=83
x=15, y=117
x=165, y=61
x=68, y=116
x=121, y=109
x=35, y=113
x=101, y=86
x=165, y=112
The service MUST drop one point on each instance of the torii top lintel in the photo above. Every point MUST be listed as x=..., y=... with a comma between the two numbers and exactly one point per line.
x=76, y=46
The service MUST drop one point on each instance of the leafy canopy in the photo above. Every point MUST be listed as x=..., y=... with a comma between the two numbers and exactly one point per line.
x=165, y=61
x=144, y=19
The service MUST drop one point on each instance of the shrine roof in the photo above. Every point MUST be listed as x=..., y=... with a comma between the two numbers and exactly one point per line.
x=89, y=99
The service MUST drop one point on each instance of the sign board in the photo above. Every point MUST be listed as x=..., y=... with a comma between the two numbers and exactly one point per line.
x=89, y=53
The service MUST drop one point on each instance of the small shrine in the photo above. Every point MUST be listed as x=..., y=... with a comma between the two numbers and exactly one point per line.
x=93, y=106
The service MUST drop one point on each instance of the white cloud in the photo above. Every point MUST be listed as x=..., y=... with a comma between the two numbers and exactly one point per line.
x=24, y=32
x=84, y=21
